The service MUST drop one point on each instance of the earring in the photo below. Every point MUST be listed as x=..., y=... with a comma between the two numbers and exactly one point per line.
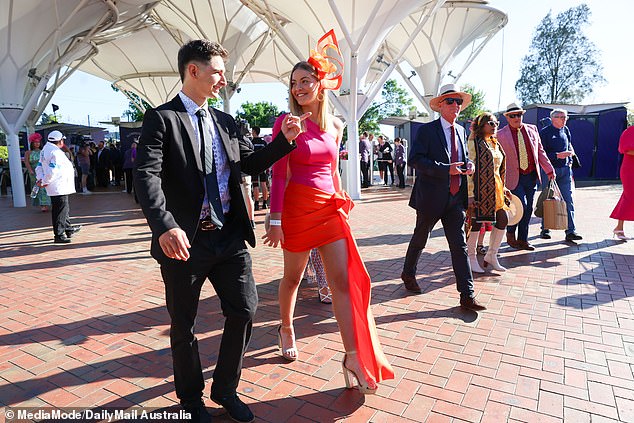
x=320, y=97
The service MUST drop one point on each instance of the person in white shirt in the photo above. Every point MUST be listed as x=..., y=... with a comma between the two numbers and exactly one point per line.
x=55, y=172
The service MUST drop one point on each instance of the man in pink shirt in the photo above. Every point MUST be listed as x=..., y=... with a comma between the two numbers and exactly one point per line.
x=524, y=155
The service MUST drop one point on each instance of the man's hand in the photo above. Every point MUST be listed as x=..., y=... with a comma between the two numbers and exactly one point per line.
x=175, y=244
x=292, y=125
x=564, y=154
x=454, y=168
x=551, y=176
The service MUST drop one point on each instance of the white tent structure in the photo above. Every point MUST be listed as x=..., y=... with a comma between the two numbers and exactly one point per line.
x=265, y=38
x=361, y=26
x=458, y=29
x=40, y=38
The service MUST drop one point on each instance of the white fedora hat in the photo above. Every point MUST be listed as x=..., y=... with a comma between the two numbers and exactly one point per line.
x=449, y=90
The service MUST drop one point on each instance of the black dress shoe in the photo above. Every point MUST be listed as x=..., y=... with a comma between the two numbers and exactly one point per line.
x=73, y=230
x=62, y=239
x=198, y=414
x=573, y=236
x=545, y=234
x=470, y=303
x=410, y=283
x=237, y=410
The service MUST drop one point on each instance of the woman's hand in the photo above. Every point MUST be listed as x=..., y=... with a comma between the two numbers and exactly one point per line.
x=507, y=193
x=292, y=125
x=273, y=236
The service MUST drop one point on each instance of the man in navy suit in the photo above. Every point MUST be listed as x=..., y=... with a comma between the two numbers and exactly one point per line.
x=439, y=155
x=187, y=178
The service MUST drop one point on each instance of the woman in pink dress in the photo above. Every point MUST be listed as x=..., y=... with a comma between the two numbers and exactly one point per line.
x=310, y=210
x=624, y=209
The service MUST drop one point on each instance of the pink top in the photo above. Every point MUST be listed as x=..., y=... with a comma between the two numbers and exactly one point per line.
x=312, y=163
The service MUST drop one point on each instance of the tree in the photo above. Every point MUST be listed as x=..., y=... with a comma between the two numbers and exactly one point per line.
x=562, y=65
x=396, y=102
x=260, y=114
x=477, y=103
x=134, y=114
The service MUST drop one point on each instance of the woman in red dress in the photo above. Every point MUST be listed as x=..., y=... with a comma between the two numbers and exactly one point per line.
x=310, y=210
x=624, y=209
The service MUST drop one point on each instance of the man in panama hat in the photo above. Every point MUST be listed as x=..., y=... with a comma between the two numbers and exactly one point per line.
x=524, y=155
x=439, y=155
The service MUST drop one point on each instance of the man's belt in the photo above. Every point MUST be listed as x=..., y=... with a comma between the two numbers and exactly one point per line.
x=206, y=225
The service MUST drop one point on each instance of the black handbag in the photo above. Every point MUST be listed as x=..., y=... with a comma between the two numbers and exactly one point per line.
x=576, y=164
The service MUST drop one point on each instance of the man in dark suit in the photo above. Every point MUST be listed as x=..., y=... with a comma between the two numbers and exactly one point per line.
x=187, y=179
x=439, y=155
x=103, y=165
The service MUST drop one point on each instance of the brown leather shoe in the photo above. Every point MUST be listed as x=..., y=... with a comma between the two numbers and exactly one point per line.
x=471, y=304
x=410, y=283
x=524, y=245
x=511, y=241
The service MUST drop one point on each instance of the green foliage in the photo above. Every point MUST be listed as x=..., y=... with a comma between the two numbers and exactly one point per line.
x=396, y=102
x=262, y=113
x=4, y=152
x=563, y=64
x=134, y=114
x=477, y=103
x=215, y=102
x=630, y=117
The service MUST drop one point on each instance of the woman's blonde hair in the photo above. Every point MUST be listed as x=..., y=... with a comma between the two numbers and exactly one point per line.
x=296, y=109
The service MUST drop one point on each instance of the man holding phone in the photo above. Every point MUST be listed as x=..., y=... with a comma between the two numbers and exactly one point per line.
x=439, y=155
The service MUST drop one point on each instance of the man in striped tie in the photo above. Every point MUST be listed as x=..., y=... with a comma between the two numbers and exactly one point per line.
x=524, y=155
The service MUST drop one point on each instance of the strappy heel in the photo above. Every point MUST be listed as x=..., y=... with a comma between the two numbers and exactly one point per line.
x=348, y=375
x=289, y=353
x=325, y=295
x=619, y=235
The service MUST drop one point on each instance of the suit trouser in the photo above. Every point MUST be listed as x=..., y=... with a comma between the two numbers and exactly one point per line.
x=400, y=171
x=365, y=173
x=525, y=191
x=60, y=213
x=563, y=177
x=222, y=257
x=453, y=219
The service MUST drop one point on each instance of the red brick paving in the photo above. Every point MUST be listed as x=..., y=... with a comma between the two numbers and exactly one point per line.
x=84, y=325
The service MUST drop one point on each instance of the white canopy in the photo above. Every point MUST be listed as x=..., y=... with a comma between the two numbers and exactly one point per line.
x=134, y=45
x=39, y=38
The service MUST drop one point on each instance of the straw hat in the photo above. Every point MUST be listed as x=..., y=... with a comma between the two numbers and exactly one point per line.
x=449, y=90
x=515, y=210
x=514, y=108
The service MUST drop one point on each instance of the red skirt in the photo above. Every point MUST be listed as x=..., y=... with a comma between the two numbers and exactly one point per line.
x=312, y=218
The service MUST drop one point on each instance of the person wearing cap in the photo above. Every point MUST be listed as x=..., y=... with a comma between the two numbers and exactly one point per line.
x=187, y=179
x=557, y=143
x=440, y=156
x=56, y=173
x=524, y=156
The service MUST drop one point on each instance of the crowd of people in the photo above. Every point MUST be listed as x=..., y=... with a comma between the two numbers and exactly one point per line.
x=190, y=166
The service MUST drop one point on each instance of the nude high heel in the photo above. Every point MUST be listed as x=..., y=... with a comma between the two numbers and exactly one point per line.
x=348, y=375
x=619, y=235
x=289, y=353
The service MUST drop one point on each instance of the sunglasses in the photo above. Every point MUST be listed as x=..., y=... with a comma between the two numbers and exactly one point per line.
x=450, y=100
x=494, y=123
x=514, y=115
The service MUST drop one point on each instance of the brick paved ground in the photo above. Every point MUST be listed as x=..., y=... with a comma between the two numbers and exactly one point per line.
x=85, y=325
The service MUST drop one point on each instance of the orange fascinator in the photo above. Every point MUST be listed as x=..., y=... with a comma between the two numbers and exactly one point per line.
x=328, y=61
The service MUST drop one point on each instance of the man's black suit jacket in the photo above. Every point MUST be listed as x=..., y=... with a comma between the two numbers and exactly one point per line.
x=430, y=157
x=169, y=174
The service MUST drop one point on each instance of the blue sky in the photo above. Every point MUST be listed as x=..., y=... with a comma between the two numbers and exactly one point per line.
x=495, y=71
